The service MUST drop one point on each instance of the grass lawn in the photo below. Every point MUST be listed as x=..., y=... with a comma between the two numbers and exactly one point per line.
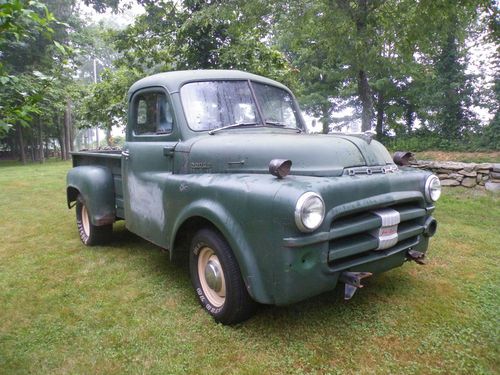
x=123, y=308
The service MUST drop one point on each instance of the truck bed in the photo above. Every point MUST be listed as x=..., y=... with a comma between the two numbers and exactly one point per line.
x=110, y=159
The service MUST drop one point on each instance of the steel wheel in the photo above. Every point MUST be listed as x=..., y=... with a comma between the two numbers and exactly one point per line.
x=85, y=221
x=90, y=234
x=217, y=280
x=212, y=278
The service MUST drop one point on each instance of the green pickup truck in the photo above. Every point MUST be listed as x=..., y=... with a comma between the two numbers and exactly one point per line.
x=218, y=168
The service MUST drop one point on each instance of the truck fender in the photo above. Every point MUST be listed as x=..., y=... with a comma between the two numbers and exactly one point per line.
x=95, y=184
x=221, y=218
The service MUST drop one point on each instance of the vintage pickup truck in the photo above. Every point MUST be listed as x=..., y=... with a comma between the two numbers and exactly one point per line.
x=217, y=167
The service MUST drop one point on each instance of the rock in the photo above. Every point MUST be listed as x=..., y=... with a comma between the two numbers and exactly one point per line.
x=447, y=171
x=469, y=182
x=456, y=176
x=469, y=167
x=484, y=166
x=450, y=165
x=467, y=173
x=492, y=186
x=450, y=182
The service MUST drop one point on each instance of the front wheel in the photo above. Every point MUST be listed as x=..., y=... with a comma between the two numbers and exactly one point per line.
x=217, y=279
x=90, y=234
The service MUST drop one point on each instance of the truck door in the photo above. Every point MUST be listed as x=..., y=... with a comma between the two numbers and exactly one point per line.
x=147, y=160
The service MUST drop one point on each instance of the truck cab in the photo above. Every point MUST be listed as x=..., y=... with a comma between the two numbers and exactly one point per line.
x=218, y=167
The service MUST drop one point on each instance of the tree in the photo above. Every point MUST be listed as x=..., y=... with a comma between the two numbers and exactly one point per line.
x=379, y=55
x=196, y=34
x=37, y=70
x=105, y=102
x=20, y=23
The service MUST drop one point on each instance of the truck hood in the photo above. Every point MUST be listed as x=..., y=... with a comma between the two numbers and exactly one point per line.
x=311, y=154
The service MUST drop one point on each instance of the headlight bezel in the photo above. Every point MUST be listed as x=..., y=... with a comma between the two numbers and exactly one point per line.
x=299, y=211
x=429, y=186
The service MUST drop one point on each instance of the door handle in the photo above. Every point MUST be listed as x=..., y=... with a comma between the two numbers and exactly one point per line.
x=169, y=150
x=126, y=154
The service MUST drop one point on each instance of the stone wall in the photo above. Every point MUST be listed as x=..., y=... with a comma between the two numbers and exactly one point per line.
x=463, y=174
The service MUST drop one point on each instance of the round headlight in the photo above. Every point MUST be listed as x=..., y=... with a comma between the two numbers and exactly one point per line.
x=309, y=212
x=432, y=188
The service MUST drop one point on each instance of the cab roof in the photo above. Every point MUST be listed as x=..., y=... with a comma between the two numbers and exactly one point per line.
x=173, y=81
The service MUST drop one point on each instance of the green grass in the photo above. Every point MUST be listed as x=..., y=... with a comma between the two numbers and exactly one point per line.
x=123, y=308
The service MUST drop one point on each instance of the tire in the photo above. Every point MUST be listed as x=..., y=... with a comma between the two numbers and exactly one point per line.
x=217, y=280
x=90, y=234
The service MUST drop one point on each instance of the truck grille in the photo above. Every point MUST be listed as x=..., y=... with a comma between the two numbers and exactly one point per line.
x=353, y=242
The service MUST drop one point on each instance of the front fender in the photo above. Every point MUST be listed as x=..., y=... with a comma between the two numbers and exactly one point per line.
x=95, y=184
x=224, y=221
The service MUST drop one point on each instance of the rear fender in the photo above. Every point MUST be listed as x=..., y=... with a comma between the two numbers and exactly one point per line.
x=95, y=184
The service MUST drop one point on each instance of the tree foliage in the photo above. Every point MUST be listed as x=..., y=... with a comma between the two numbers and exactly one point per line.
x=398, y=66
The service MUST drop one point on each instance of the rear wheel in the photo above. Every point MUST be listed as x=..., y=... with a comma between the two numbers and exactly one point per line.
x=217, y=279
x=90, y=234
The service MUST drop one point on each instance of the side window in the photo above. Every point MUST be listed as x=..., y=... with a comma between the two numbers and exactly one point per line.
x=152, y=114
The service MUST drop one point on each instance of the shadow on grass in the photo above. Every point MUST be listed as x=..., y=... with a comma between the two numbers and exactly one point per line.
x=328, y=309
x=158, y=259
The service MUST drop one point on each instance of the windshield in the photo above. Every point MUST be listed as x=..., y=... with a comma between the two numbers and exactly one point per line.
x=215, y=104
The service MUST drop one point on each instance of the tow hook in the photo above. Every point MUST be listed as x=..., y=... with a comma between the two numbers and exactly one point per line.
x=417, y=256
x=352, y=281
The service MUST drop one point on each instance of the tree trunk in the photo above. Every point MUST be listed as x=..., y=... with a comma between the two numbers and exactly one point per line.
x=366, y=101
x=380, y=115
x=40, y=142
x=71, y=129
x=60, y=138
x=21, y=143
x=33, y=149
x=108, y=136
x=409, y=117
x=365, y=95
x=67, y=130
x=325, y=119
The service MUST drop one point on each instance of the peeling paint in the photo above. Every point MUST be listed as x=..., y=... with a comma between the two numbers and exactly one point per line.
x=146, y=200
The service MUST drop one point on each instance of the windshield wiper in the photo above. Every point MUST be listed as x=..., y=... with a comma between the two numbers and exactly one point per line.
x=282, y=125
x=236, y=125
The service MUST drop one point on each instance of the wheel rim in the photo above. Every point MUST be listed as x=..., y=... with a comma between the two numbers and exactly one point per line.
x=211, y=277
x=85, y=220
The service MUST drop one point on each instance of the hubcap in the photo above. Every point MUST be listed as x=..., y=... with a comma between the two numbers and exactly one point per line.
x=211, y=277
x=85, y=220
